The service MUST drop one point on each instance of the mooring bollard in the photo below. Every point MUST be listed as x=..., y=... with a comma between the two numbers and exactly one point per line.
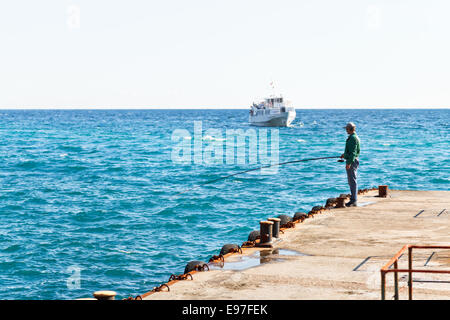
x=105, y=295
x=266, y=232
x=275, y=227
x=382, y=191
x=341, y=202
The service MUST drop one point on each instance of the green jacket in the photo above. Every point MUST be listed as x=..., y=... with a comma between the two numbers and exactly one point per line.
x=352, y=148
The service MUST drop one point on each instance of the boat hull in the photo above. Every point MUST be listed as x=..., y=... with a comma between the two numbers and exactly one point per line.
x=284, y=119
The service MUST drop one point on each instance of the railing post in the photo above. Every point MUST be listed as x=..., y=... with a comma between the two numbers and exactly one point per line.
x=410, y=279
x=396, y=280
x=383, y=285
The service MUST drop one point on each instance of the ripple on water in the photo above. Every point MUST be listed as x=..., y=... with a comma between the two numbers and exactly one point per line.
x=12, y=248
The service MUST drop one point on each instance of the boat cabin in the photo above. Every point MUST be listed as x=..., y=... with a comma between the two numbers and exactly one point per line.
x=272, y=101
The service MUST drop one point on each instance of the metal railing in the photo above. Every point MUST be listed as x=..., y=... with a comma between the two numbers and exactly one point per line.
x=394, y=261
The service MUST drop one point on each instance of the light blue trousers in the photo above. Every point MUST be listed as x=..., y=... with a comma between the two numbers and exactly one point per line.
x=351, y=176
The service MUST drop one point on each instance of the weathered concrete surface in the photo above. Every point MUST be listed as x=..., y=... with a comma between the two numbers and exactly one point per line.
x=346, y=249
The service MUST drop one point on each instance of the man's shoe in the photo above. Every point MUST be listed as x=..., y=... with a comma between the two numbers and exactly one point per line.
x=351, y=204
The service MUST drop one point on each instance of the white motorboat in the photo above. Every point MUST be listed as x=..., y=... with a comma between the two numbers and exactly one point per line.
x=272, y=112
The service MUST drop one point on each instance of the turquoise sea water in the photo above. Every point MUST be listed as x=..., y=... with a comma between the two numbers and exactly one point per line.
x=94, y=190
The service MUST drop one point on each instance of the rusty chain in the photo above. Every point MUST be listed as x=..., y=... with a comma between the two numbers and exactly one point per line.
x=200, y=267
x=248, y=244
x=219, y=257
x=159, y=289
x=180, y=277
x=289, y=224
x=234, y=250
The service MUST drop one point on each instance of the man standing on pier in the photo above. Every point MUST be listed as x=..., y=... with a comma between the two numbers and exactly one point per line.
x=351, y=154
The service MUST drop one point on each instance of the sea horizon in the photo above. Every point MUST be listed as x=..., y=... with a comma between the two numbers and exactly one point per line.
x=223, y=108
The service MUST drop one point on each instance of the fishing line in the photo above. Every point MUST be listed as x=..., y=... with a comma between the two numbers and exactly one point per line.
x=254, y=169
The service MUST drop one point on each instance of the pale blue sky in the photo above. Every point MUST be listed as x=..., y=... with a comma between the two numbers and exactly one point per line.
x=217, y=54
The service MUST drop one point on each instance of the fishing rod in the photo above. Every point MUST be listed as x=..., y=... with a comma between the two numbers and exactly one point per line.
x=254, y=169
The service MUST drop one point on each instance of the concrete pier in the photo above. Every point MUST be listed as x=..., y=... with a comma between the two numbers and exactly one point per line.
x=340, y=254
